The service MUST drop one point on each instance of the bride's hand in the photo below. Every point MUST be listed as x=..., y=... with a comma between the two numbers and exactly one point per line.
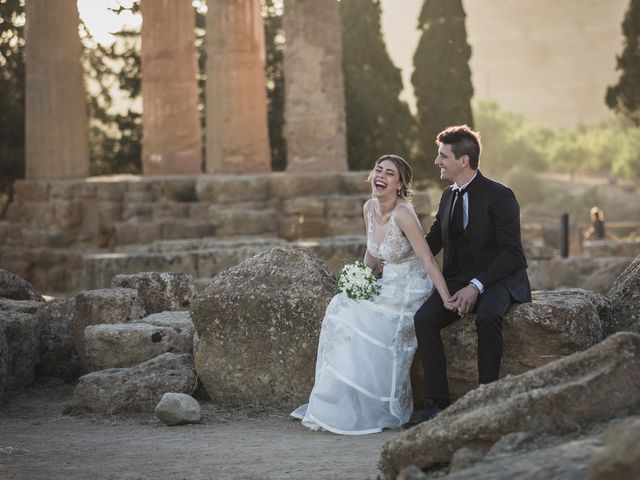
x=449, y=305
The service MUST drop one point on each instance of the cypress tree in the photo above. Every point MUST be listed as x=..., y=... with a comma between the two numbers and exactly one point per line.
x=624, y=97
x=441, y=76
x=378, y=122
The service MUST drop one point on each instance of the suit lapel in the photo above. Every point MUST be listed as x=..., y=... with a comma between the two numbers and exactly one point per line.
x=446, y=214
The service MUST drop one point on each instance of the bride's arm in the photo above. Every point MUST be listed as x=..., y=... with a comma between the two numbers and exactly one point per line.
x=369, y=260
x=408, y=222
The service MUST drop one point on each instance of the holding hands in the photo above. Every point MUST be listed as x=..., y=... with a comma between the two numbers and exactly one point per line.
x=464, y=299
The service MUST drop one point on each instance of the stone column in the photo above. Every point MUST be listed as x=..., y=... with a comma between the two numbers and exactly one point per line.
x=57, y=144
x=172, y=139
x=237, y=131
x=315, y=125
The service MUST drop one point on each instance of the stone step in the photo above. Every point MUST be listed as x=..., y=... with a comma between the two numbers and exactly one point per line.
x=213, y=257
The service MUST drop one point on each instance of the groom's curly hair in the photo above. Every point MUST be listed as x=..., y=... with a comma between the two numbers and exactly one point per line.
x=463, y=141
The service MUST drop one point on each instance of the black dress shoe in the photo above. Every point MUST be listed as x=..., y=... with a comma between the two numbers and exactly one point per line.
x=427, y=415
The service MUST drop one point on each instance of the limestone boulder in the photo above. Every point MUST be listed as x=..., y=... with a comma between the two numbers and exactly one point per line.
x=620, y=457
x=174, y=319
x=159, y=291
x=178, y=409
x=17, y=288
x=555, y=324
x=258, y=325
x=566, y=395
x=58, y=355
x=24, y=306
x=624, y=295
x=108, y=305
x=128, y=344
x=4, y=365
x=134, y=389
x=23, y=347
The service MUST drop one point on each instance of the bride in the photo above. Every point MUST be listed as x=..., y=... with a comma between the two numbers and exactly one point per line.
x=362, y=382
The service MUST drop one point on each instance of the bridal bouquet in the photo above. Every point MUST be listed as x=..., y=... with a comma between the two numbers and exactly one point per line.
x=357, y=281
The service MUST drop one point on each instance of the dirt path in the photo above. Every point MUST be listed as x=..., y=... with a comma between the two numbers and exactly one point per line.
x=37, y=441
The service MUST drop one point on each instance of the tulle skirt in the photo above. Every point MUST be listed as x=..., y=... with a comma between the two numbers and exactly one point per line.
x=362, y=383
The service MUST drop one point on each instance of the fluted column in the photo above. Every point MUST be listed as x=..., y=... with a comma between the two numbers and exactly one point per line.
x=56, y=111
x=237, y=131
x=315, y=125
x=172, y=140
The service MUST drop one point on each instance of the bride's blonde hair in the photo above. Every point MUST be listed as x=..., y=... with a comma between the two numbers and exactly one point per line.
x=404, y=170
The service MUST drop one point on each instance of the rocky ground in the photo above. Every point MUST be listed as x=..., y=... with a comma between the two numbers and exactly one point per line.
x=39, y=441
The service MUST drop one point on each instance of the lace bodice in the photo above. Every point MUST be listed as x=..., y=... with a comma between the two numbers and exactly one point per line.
x=394, y=246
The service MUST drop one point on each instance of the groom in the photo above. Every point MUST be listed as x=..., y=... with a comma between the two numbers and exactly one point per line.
x=478, y=225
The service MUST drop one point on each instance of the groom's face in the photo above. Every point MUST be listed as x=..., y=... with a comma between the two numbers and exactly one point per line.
x=450, y=167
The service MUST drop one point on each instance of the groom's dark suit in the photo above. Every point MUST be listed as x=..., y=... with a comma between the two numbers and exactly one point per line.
x=489, y=250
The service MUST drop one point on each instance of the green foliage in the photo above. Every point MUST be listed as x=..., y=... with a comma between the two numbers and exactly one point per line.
x=441, y=76
x=274, y=39
x=509, y=140
x=378, y=122
x=12, y=96
x=114, y=136
x=624, y=97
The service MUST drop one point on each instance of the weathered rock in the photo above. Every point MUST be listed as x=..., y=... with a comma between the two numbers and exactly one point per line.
x=554, y=325
x=17, y=288
x=258, y=325
x=176, y=319
x=58, y=354
x=464, y=458
x=24, y=306
x=566, y=460
x=94, y=307
x=127, y=344
x=585, y=388
x=135, y=389
x=624, y=295
x=620, y=457
x=158, y=291
x=178, y=409
x=4, y=365
x=634, y=327
x=23, y=341
x=510, y=443
x=411, y=473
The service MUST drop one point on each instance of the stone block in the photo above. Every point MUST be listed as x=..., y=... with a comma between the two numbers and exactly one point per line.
x=128, y=344
x=286, y=186
x=177, y=228
x=22, y=306
x=67, y=214
x=134, y=389
x=23, y=342
x=624, y=296
x=58, y=354
x=31, y=191
x=349, y=206
x=226, y=189
x=556, y=324
x=4, y=365
x=296, y=227
x=14, y=287
x=158, y=291
x=93, y=307
x=305, y=206
x=620, y=457
x=262, y=304
x=566, y=395
x=356, y=182
x=230, y=222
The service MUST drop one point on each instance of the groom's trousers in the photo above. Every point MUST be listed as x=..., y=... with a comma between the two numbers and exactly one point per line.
x=432, y=317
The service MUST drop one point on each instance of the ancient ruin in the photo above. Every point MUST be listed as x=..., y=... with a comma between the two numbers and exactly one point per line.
x=172, y=140
x=315, y=124
x=56, y=111
x=237, y=134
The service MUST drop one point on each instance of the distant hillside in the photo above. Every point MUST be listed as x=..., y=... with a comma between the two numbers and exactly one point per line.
x=547, y=59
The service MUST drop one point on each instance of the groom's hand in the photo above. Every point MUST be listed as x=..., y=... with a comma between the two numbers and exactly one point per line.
x=465, y=299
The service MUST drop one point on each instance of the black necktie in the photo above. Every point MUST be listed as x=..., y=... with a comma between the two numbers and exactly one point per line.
x=456, y=225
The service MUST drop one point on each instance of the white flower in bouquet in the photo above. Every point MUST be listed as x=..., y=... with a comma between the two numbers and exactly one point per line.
x=357, y=281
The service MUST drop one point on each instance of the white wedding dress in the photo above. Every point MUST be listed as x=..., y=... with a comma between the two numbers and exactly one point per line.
x=362, y=381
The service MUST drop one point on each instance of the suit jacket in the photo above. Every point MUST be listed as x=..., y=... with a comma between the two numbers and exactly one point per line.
x=493, y=247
